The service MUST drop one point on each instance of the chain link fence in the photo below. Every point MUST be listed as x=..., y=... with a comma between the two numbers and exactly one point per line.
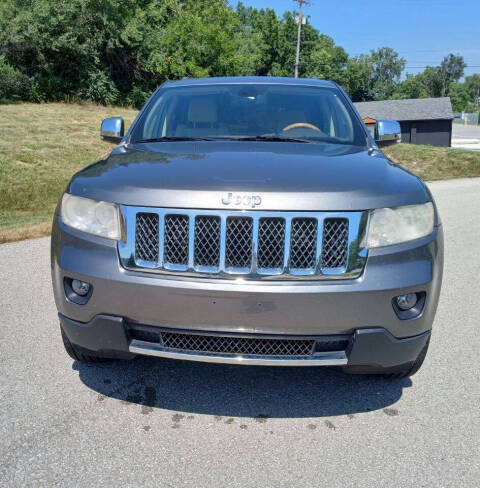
x=466, y=118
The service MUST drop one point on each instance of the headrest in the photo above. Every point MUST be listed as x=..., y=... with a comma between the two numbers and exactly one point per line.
x=202, y=110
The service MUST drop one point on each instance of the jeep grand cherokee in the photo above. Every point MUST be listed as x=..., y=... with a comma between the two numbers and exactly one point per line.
x=249, y=221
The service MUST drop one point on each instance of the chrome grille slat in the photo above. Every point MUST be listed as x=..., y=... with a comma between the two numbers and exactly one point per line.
x=252, y=244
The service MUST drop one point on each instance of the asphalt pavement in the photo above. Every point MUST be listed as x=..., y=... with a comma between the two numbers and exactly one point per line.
x=158, y=422
x=466, y=137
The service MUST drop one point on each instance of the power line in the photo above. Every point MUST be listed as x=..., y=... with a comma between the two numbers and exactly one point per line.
x=430, y=66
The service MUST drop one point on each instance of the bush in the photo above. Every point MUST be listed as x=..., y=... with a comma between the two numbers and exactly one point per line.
x=99, y=88
x=14, y=85
x=136, y=98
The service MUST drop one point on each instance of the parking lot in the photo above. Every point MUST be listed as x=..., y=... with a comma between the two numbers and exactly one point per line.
x=155, y=422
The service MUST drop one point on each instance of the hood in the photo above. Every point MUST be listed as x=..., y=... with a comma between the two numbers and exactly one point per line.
x=286, y=176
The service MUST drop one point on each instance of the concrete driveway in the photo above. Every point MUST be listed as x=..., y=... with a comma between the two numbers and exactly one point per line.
x=157, y=422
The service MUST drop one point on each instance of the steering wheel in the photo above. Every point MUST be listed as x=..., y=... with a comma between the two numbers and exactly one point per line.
x=301, y=124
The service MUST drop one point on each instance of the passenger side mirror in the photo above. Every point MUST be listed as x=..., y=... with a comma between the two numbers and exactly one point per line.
x=112, y=129
x=387, y=132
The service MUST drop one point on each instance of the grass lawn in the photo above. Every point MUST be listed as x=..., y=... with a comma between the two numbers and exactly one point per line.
x=42, y=146
x=435, y=163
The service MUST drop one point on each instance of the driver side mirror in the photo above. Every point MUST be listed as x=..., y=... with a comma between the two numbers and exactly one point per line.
x=387, y=132
x=112, y=129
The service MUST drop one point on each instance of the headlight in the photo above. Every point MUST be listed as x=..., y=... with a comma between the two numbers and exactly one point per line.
x=99, y=218
x=389, y=226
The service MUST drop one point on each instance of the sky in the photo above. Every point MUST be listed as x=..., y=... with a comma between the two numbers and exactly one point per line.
x=421, y=31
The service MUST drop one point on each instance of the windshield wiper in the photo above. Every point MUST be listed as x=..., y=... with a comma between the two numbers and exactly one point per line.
x=173, y=138
x=264, y=137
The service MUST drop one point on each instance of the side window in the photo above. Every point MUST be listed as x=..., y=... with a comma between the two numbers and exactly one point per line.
x=341, y=123
x=157, y=121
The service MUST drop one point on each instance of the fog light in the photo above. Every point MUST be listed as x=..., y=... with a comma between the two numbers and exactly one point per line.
x=406, y=302
x=81, y=288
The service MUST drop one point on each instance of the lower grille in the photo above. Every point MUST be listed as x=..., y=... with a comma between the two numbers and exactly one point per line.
x=239, y=345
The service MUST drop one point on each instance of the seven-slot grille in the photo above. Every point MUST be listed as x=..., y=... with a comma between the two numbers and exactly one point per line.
x=242, y=243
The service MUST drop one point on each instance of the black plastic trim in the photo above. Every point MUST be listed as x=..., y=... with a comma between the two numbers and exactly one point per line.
x=368, y=347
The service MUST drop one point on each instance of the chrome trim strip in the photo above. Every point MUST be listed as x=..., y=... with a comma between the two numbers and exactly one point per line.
x=254, y=270
x=334, y=358
x=356, y=258
x=191, y=240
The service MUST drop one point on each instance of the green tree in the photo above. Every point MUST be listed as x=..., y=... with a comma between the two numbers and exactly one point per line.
x=465, y=95
x=358, y=78
x=119, y=51
x=411, y=87
x=264, y=29
x=459, y=97
x=451, y=70
x=374, y=76
x=387, y=68
x=327, y=61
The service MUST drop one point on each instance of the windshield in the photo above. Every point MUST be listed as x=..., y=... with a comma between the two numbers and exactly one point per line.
x=250, y=112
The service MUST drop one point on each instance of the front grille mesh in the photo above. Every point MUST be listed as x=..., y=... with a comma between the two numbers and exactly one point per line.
x=271, y=243
x=239, y=242
x=231, y=244
x=303, y=249
x=238, y=345
x=207, y=240
x=335, y=243
x=176, y=239
x=146, y=237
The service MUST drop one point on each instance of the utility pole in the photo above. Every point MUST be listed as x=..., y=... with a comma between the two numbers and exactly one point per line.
x=299, y=33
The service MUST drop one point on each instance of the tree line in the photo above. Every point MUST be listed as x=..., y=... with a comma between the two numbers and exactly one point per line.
x=118, y=51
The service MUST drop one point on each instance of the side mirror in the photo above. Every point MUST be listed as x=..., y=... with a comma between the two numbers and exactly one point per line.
x=387, y=131
x=112, y=129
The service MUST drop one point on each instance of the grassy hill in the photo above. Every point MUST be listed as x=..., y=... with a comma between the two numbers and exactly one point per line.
x=42, y=146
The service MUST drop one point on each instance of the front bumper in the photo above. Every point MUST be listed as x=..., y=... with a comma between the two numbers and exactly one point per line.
x=111, y=336
x=344, y=307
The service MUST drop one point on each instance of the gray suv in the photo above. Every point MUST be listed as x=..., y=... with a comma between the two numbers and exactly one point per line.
x=249, y=221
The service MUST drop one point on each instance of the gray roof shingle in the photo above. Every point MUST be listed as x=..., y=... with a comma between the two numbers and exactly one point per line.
x=409, y=109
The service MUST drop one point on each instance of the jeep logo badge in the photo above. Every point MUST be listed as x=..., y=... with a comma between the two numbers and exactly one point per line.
x=243, y=200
